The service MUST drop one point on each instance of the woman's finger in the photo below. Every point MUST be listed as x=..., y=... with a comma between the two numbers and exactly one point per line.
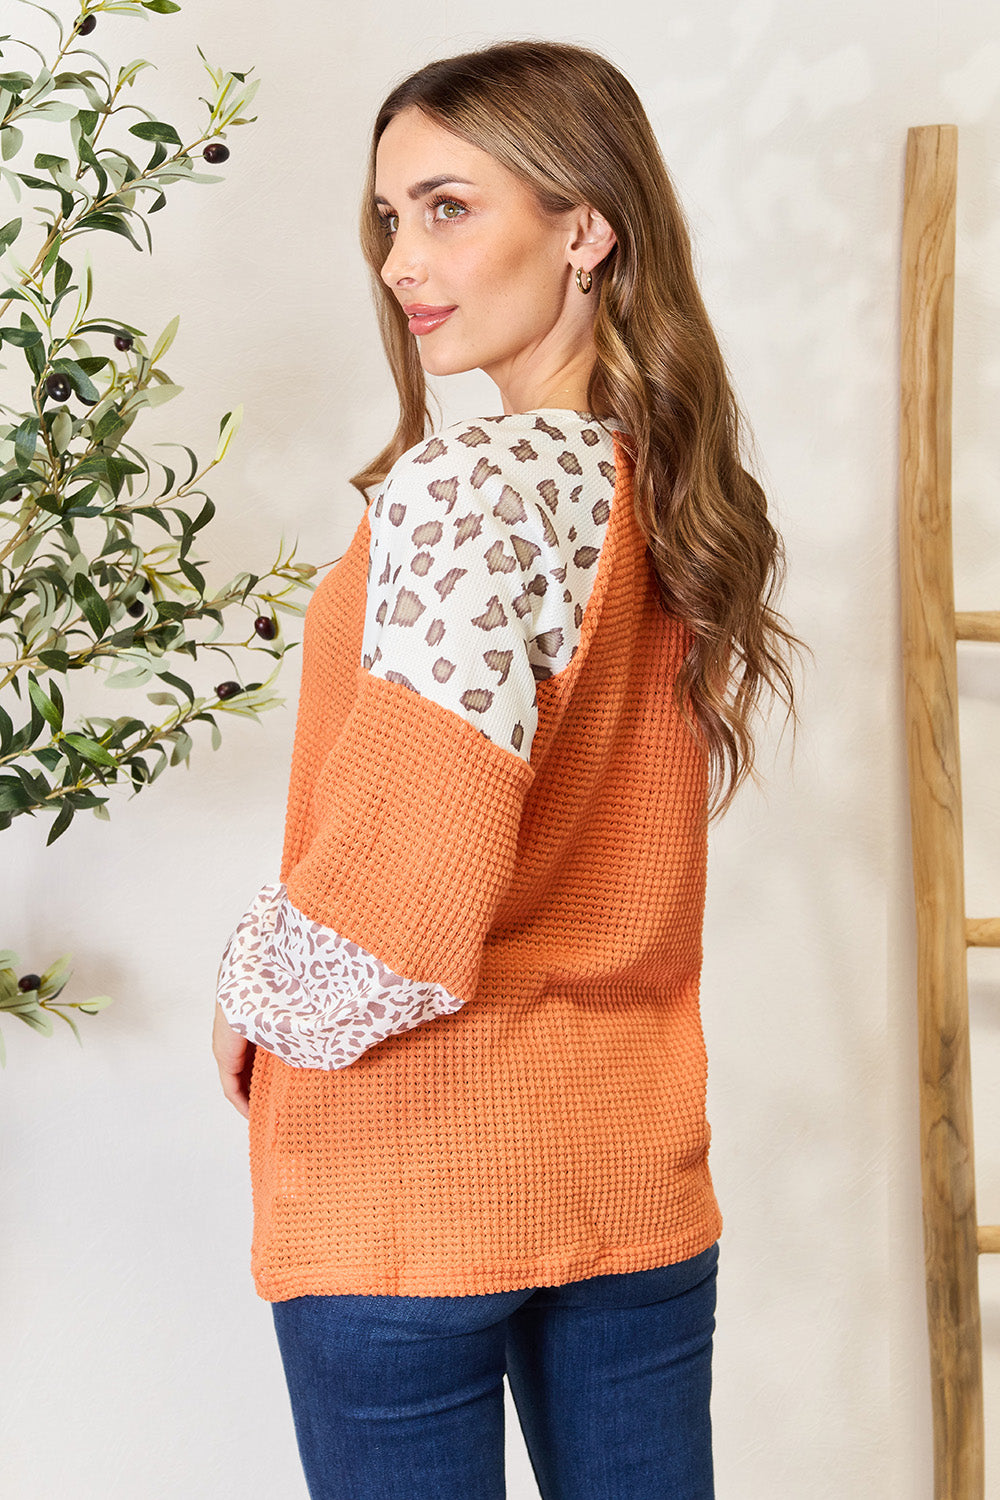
x=234, y=1056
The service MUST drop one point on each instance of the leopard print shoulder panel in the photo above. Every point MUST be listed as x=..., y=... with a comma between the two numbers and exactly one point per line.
x=485, y=541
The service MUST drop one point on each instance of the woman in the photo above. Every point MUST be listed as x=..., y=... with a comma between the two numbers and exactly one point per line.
x=470, y=1005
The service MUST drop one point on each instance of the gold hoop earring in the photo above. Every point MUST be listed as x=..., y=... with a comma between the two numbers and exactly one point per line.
x=579, y=279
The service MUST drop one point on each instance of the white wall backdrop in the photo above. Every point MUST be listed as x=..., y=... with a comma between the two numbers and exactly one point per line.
x=136, y=1358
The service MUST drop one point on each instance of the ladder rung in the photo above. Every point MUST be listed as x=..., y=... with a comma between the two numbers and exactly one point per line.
x=977, y=625
x=988, y=1239
x=982, y=932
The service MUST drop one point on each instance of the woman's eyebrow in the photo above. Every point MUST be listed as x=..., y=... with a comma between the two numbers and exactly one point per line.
x=419, y=189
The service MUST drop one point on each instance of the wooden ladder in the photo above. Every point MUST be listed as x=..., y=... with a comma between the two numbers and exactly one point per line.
x=953, y=1240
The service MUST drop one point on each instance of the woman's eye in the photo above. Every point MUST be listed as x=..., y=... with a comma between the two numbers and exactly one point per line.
x=389, y=222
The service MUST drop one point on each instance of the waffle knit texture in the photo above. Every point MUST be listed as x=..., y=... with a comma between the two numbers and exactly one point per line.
x=553, y=1128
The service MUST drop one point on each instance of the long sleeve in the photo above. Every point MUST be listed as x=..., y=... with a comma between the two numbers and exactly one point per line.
x=477, y=583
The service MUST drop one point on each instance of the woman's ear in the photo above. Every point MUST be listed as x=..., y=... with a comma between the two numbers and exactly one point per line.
x=593, y=235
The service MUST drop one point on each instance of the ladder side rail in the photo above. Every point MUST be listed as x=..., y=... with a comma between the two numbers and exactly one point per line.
x=931, y=710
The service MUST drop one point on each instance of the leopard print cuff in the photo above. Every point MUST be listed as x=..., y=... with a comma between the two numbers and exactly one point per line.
x=313, y=998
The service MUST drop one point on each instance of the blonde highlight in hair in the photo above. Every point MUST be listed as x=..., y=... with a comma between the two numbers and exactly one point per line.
x=658, y=370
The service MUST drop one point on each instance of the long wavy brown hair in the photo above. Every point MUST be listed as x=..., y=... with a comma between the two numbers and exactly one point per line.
x=569, y=126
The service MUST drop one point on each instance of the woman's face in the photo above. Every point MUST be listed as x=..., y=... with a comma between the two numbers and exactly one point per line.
x=464, y=237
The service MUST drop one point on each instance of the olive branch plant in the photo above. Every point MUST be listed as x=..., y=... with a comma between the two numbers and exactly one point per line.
x=97, y=576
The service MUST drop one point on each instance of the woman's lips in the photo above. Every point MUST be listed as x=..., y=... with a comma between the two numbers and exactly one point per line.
x=423, y=319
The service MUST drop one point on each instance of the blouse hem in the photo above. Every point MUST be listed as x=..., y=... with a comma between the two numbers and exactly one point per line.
x=574, y=1265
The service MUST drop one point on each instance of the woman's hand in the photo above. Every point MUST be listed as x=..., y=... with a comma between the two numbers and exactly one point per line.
x=234, y=1055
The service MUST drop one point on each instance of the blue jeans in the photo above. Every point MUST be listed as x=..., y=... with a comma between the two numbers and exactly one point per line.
x=401, y=1398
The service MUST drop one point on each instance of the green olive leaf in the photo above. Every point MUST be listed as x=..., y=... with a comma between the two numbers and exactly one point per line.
x=156, y=130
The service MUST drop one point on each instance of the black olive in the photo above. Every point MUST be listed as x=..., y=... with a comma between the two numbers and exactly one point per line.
x=228, y=689
x=29, y=982
x=58, y=387
x=216, y=152
x=265, y=627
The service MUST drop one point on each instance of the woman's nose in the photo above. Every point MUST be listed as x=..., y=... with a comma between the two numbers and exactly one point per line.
x=401, y=262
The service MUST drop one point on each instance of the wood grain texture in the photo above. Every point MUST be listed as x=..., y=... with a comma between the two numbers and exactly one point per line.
x=931, y=706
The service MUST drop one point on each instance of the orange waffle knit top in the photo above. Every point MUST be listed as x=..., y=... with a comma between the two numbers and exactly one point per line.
x=553, y=1127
